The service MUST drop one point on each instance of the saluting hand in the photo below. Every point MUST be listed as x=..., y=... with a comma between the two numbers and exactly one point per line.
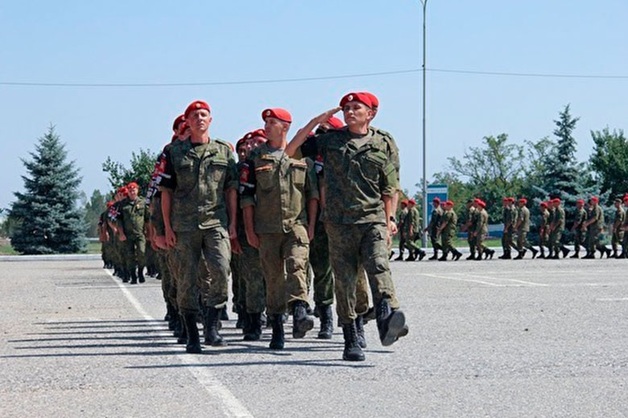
x=323, y=117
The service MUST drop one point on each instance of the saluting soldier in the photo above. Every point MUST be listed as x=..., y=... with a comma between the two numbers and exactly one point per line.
x=360, y=183
x=618, y=223
x=277, y=222
x=579, y=233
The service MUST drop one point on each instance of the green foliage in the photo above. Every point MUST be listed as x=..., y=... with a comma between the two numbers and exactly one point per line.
x=96, y=205
x=45, y=217
x=609, y=162
x=142, y=165
x=493, y=171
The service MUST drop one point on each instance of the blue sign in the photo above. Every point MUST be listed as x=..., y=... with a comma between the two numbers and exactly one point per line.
x=435, y=190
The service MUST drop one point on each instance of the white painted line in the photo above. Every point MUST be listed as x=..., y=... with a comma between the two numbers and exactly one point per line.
x=505, y=279
x=612, y=299
x=463, y=280
x=231, y=406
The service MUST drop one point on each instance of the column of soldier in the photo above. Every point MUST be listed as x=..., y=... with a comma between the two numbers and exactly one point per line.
x=323, y=202
x=588, y=226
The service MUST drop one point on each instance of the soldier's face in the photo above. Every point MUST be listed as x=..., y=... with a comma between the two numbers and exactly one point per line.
x=275, y=128
x=356, y=113
x=199, y=120
x=133, y=193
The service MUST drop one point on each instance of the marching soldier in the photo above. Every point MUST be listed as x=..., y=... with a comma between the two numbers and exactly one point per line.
x=557, y=227
x=579, y=232
x=433, y=227
x=544, y=230
x=509, y=219
x=403, y=218
x=132, y=222
x=481, y=230
x=624, y=244
x=410, y=227
x=618, y=223
x=523, y=227
x=469, y=227
x=447, y=230
x=594, y=225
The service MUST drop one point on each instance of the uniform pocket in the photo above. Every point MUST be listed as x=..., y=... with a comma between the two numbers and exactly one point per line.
x=298, y=170
x=265, y=176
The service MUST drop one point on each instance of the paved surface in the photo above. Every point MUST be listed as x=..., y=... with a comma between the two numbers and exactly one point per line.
x=498, y=338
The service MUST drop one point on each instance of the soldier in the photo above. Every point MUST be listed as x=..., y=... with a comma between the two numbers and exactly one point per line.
x=246, y=267
x=401, y=223
x=556, y=229
x=593, y=226
x=618, y=223
x=360, y=184
x=481, y=230
x=132, y=222
x=470, y=228
x=580, y=218
x=447, y=230
x=509, y=219
x=433, y=227
x=544, y=230
x=523, y=227
x=119, y=266
x=199, y=198
x=412, y=225
x=278, y=224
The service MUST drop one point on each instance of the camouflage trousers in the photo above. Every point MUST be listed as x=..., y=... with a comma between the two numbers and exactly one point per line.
x=356, y=246
x=134, y=252
x=252, y=287
x=554, y=240
x=447, y=242
x=472, y=240
x=507, y=241
x=200, y=263
x=593, y=239
x=168, y=285
x=321, y=267
x=284, y=258
x=578, y=240
x=522, y=240
x=434, y=239
x=617, y=239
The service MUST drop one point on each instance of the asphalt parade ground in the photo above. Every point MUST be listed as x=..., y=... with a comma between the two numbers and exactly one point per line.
x=529, y=338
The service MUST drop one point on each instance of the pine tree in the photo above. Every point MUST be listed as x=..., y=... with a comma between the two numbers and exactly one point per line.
x=48, y=219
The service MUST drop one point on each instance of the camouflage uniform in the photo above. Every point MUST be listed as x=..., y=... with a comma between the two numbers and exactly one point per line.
x=579, y=233
x=481, y=230
x=509, y=217
x=412, y=226
x=594, y=230
x=618, y=232
x=198, y=175
x=449, y=228
x=470, y=227
x=279, y=188
x=544, y=232
x=432, y=229
x=523, y=227
x=624, y=244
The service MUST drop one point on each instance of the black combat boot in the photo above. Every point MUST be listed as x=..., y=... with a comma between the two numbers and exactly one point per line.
x=565, y=251
x=506, y=255
x=614, y=255
x=140, y=274
x=179, y=330
x=327, y=322
x=457, y=255
x=444, y=256
x=301, y=321
x=399, y=257
x=471, y=256
x=352, y=351
x=435, y=256
x=359, y=327
x=124, y=275
x=534, y=252
x=224, y=315
x=490, y=253
x=390, y=323
x=277, y=340
x=254, y=328
x=133, y=275
x=422, y=254
x=193, y=341
x=210, y=327
x=520, y=255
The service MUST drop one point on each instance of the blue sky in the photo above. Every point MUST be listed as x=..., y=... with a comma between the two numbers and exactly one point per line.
x=232, y=44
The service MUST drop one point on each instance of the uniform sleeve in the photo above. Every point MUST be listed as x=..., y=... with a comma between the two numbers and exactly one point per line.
x=388, y=180
x=232, y=179
x=247, y=183
x=311, y=181
x=168, y=176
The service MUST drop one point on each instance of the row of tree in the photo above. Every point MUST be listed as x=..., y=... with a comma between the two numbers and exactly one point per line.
x=52, y=216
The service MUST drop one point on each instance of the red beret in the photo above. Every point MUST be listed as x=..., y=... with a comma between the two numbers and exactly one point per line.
x=543, y=204
x=412, y=202
x=481, y=203
x=122, y=190
x=196, y=104
x=180, y=119
x=626, y=198
x=555, y=200
x=523, y=200
x=581, y=201
x=277, y=113
x=356, y=97
x=132, y=185
x=404, y=202
x=594, y=199
x=255, y=133
x=449, y=203
x=436, y=200
x=373, y=98
x=335, y=122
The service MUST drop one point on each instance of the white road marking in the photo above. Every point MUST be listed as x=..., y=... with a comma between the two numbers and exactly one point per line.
x=231, y=406
x=505, y=279
x=612, y=299
x=463, y=280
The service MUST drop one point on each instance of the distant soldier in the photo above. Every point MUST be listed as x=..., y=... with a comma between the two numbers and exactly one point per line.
x=618, y=223
x=447, y=230
x=594, y=226
x=523, y=227
x=557, y=227
x=544, y=230
x=132, y=223
x=579, y=233
x=469, y=227
x=509, y=219
x=481, y=230
x=433, y=227
x=403, y=214
x=412, y=225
